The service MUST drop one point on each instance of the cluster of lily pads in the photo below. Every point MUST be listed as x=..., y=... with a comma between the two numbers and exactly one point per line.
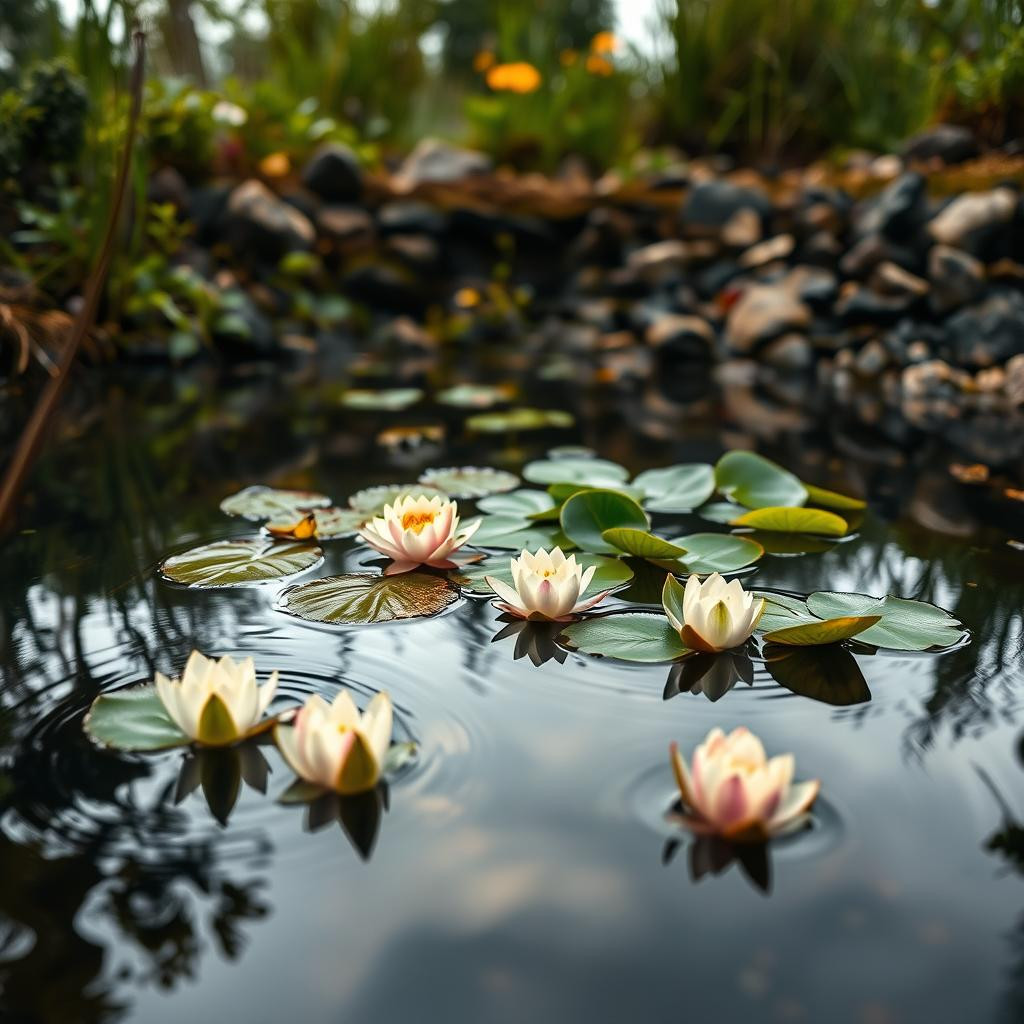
x=584, y=532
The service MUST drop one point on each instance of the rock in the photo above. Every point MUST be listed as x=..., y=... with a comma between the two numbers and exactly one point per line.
x=386, y=286
x=439, y=163
x=971, y=214
x=1015, y=380
x=777, y=248
x=334, y=174
x=207, y=210
x=346, y=224
x=897, y=212
x=790, y=352
x=742, y=229
x=409, y=217
x=168, y=186
x=710, y=205
x=260, y=224
x=860, y=305
x=681, y=335
x=989, y=332
x=957, y=277
x=673, y=254
x=763, y=312
x=245, y=327
x=814, y=285
x=891, y=279
x=872, y=359
x=420, y=252
x=871, y=250
x=950, y=143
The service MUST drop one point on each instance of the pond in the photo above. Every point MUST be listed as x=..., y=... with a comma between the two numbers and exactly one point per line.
x=522, y=866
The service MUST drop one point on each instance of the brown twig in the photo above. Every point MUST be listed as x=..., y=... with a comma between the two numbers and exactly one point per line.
x=35, y=429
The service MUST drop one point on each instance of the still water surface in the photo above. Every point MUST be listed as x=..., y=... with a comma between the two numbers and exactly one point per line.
x=522, y=868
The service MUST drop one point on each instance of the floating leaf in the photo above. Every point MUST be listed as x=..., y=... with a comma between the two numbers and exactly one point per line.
x=677, y=488
x=563, y=492
x=133, y=719
x=608, y=573
x=235, y=563
x=372, y=500
x=757, y=482
x=641, y=543
x=629, y=636
x=583, y=472
x=833, y=499
x=259, y=502
x=494, y=528
x=571, y=451
x=720, y=512
x=782, y=612
x=827, y=674
x=904, y=625
x=519, y=419
x=824, y=631
x=522, y=504
x=715, y=552
x=531, y=538
x=333, y=523
x=794, y=520
x=469, y=481
x=587, y=514
x=360, y=598
x=474, y=396
x=385, y=400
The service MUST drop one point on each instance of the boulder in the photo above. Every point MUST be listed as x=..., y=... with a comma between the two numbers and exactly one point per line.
x=264, y=226
x=957, y=277
x=334, y=174
x=989, y=332
x=897, y=212
x=950, y=143
x=971, y=215
x=436, y=162
x=710, y=205
x=762, y=312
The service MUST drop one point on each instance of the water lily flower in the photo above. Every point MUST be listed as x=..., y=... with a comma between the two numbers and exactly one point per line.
x=217, y=702
x=711, y=616
x=333, y=746
x=418, y=531
x=518, y=76
x=732, y=789
x=545, y=586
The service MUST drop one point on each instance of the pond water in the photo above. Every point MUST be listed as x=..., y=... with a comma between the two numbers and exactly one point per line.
x=522, y=868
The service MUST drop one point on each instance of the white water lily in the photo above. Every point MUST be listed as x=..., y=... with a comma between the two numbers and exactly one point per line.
x=545, y=586
x=733, y=790
x=711, y=616
x=333, y=746
x=216, y=702
x=418, y=530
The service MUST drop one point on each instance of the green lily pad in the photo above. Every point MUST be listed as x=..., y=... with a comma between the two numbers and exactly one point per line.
x=827, y=674
x=236, y=563
x=587, y=514
x=582, y=472
x=723, y=512
x=677, y=488
x=496, y=527
x=782, y=612
x=334, y=523
x=133, y=719
x=469, y=481
x=628, y=636
x=563, y=492
x=715, y=552
x=384, y=400
x=515, y=420
x=531, y=538
x=794, y=520
x=757, y=482
x=904, y=625
x=833, y=499
x=641, y=543
x=523, y=504
x=609, y=573
x=571, y=451
x=372, y=500
x=258, y=503
x=358, y=598
x=823, y=631
x=474, y=396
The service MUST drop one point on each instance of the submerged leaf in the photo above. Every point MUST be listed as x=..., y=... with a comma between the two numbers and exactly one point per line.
x=794, y=520
x=469, y=481
x=588, y=514
x=236, y=563
x=757, y=482
x=361, y=598
x=259, y=502
x=628, y=636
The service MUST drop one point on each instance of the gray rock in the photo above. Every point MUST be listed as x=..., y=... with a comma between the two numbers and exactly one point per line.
x=863, y=305
x=957, y=277
x=408, y=216
x=260, y=224
x=872, y=359
x=891, y=279
x=897, y=212
x=989, y=332
x=681, y=334
x=334, y=174
x=764, y=312
x=777, y=248
x=345, y=224
x=950, y=143
x=168, y=186
x=440, y=163
x=711, y=204
x=790, y=352
x=972, y=214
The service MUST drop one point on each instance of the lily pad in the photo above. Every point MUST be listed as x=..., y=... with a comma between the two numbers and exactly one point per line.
x=531, y=538
x=372, y=500
x=133, y=719
x=715, y=552
x=258, y=503
x=524, y=503
x=563, y=492
x=494, y=528
x=384, y=400
x=586, y=515
x=628, y=636
x=515, y=420
x=360, y=598
x=641, y=543
x=723, y=512
x=580, y=471
x=677, y=488
x=827, y=674
x=469, y=481
x=571, y=451
x=782, y=612
x=833, y=499
x=904, y=625
x=608, y=573
x=474, y=396
x=824, y=631
x=237, y=563
x=757, y=482
x=333, y=523
x=794, y=520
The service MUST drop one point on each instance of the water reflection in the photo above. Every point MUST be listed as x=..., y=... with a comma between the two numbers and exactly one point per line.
x=711, y=856
x=829, y=674
x=359, y=816
x=714, y=675
x=221, y=772
x=537, y=641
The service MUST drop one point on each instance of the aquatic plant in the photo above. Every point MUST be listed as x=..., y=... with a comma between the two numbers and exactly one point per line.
x=546, y=586
x=711, y=616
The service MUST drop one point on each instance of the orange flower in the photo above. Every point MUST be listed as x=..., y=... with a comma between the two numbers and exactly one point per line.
x=277, y=165
x=568, y=58
x=517, y=77
x=483, y=60
x=599, y=65
x=603, y=42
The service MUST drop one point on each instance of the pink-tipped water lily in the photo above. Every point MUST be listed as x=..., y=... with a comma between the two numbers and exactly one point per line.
x=545, y=586
x=216, y=702
x=711, y=616
x=417, y=530
x=333, y=746
x=733, y=790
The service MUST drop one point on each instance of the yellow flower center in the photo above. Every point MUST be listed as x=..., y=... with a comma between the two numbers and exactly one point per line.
x=415, y=521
